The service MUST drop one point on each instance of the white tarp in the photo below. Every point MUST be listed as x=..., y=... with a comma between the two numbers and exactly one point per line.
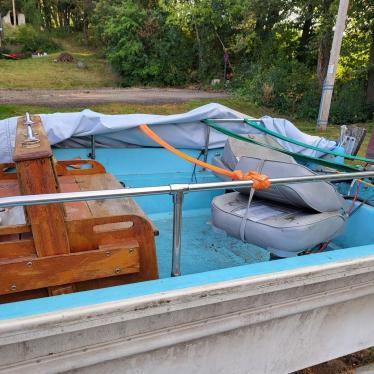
x=181, y=130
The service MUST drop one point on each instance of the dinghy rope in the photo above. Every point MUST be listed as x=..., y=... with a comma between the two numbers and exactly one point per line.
x=297, y=156
x=260, y=181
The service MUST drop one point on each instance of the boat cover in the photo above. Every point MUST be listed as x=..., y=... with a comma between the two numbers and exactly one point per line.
x=181, y=130
x=283, y=230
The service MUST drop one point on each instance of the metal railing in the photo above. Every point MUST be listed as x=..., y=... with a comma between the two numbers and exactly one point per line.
x=176, y=190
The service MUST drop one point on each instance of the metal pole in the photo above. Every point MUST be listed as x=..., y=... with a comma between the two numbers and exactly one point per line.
x=65, y=197
x=328, y=85
x=177, y=232
x=206, y=146
x=177, y=190
x=92, y=155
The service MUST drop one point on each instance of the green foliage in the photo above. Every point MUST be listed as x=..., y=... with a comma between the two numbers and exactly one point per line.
x=348, y=105
x=291, y=89
x=28, y=39
x=141, y=45
x=278, y=49
x=32, y=13
x=284, y=85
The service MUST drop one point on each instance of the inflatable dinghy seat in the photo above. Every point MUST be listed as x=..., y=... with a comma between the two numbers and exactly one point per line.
x=285, y=219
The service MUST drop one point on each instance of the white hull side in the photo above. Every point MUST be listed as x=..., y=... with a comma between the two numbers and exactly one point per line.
x=275, y=323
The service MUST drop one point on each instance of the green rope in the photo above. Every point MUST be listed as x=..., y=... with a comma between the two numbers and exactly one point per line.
x=297, y=156
x=305, y=145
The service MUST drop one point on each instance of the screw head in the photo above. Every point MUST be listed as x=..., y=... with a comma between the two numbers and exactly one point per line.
x=117, y=270
x=29, y=264
x=13, y=287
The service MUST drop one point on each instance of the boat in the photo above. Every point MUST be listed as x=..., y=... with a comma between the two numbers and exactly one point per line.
x=203, y=242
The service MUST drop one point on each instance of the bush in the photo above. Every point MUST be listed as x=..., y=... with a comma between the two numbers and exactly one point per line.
x=28, y=39
x=291, y=88
x=142, y=46
x=348, y=104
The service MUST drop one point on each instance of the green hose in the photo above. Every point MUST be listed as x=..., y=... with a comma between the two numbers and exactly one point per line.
x=305, y=145
x=297, y=156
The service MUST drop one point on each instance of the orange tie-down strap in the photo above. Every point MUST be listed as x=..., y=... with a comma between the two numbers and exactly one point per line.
x=260, y=181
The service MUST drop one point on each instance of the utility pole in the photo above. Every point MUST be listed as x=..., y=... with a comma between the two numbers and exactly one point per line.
x=328, y=84
x=14, y=13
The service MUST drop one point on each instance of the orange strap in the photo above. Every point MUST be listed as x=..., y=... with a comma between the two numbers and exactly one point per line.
x=259, y=180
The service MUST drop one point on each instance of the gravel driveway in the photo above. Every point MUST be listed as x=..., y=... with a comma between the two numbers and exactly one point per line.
x=85, y=97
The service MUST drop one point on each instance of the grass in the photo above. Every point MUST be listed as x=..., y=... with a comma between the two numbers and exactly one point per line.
x=44, y=73
x=238, y=104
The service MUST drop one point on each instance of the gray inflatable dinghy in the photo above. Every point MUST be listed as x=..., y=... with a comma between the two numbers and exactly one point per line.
x=285, y=219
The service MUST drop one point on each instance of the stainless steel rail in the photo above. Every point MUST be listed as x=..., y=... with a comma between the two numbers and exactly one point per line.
x=176, y=190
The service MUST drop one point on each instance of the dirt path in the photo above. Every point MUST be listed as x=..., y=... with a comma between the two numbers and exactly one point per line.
x=84, y=97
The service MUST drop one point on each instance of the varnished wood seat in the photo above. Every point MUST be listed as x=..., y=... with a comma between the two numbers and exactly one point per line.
x=61, y=248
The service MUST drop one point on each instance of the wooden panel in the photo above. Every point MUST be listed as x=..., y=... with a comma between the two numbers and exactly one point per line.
x=21, y=152
x=13, y=232
x=4, y=174
x=36, y=175
x=9, y=188
x=83, y=234
x=103, y=208
x=359, y=134
x=13, y=218
x=16, y=248
x=62, y=167
x=74, y=210
x=35, y=272
x=15, y=229
x=86, y=233
x=47, y=221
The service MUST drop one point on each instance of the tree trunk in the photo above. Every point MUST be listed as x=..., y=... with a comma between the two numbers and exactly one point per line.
x=323, y=58
x=306, y=33
x=200, y=52
x=370, y=86
x=325, y=41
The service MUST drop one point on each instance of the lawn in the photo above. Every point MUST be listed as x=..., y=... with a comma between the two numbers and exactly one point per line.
x=44, y=73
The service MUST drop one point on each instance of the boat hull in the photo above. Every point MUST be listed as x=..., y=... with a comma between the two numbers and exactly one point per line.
x=269, y=323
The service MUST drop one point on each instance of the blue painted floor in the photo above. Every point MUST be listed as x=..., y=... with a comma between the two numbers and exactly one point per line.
x=204, y=248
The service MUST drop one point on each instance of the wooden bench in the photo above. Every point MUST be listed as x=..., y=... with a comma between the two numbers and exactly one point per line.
x=53, y=249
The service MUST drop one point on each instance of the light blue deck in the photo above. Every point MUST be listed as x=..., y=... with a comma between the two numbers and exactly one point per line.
x=207, y=255
x=204, y=248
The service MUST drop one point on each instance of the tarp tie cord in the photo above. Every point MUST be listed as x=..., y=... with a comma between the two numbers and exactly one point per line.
x=260, y=181
x=304, y=145
x=243, y=223
x=297, y=156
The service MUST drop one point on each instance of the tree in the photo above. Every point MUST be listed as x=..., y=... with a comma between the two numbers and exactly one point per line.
x=363, y=23
x=327, y=17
